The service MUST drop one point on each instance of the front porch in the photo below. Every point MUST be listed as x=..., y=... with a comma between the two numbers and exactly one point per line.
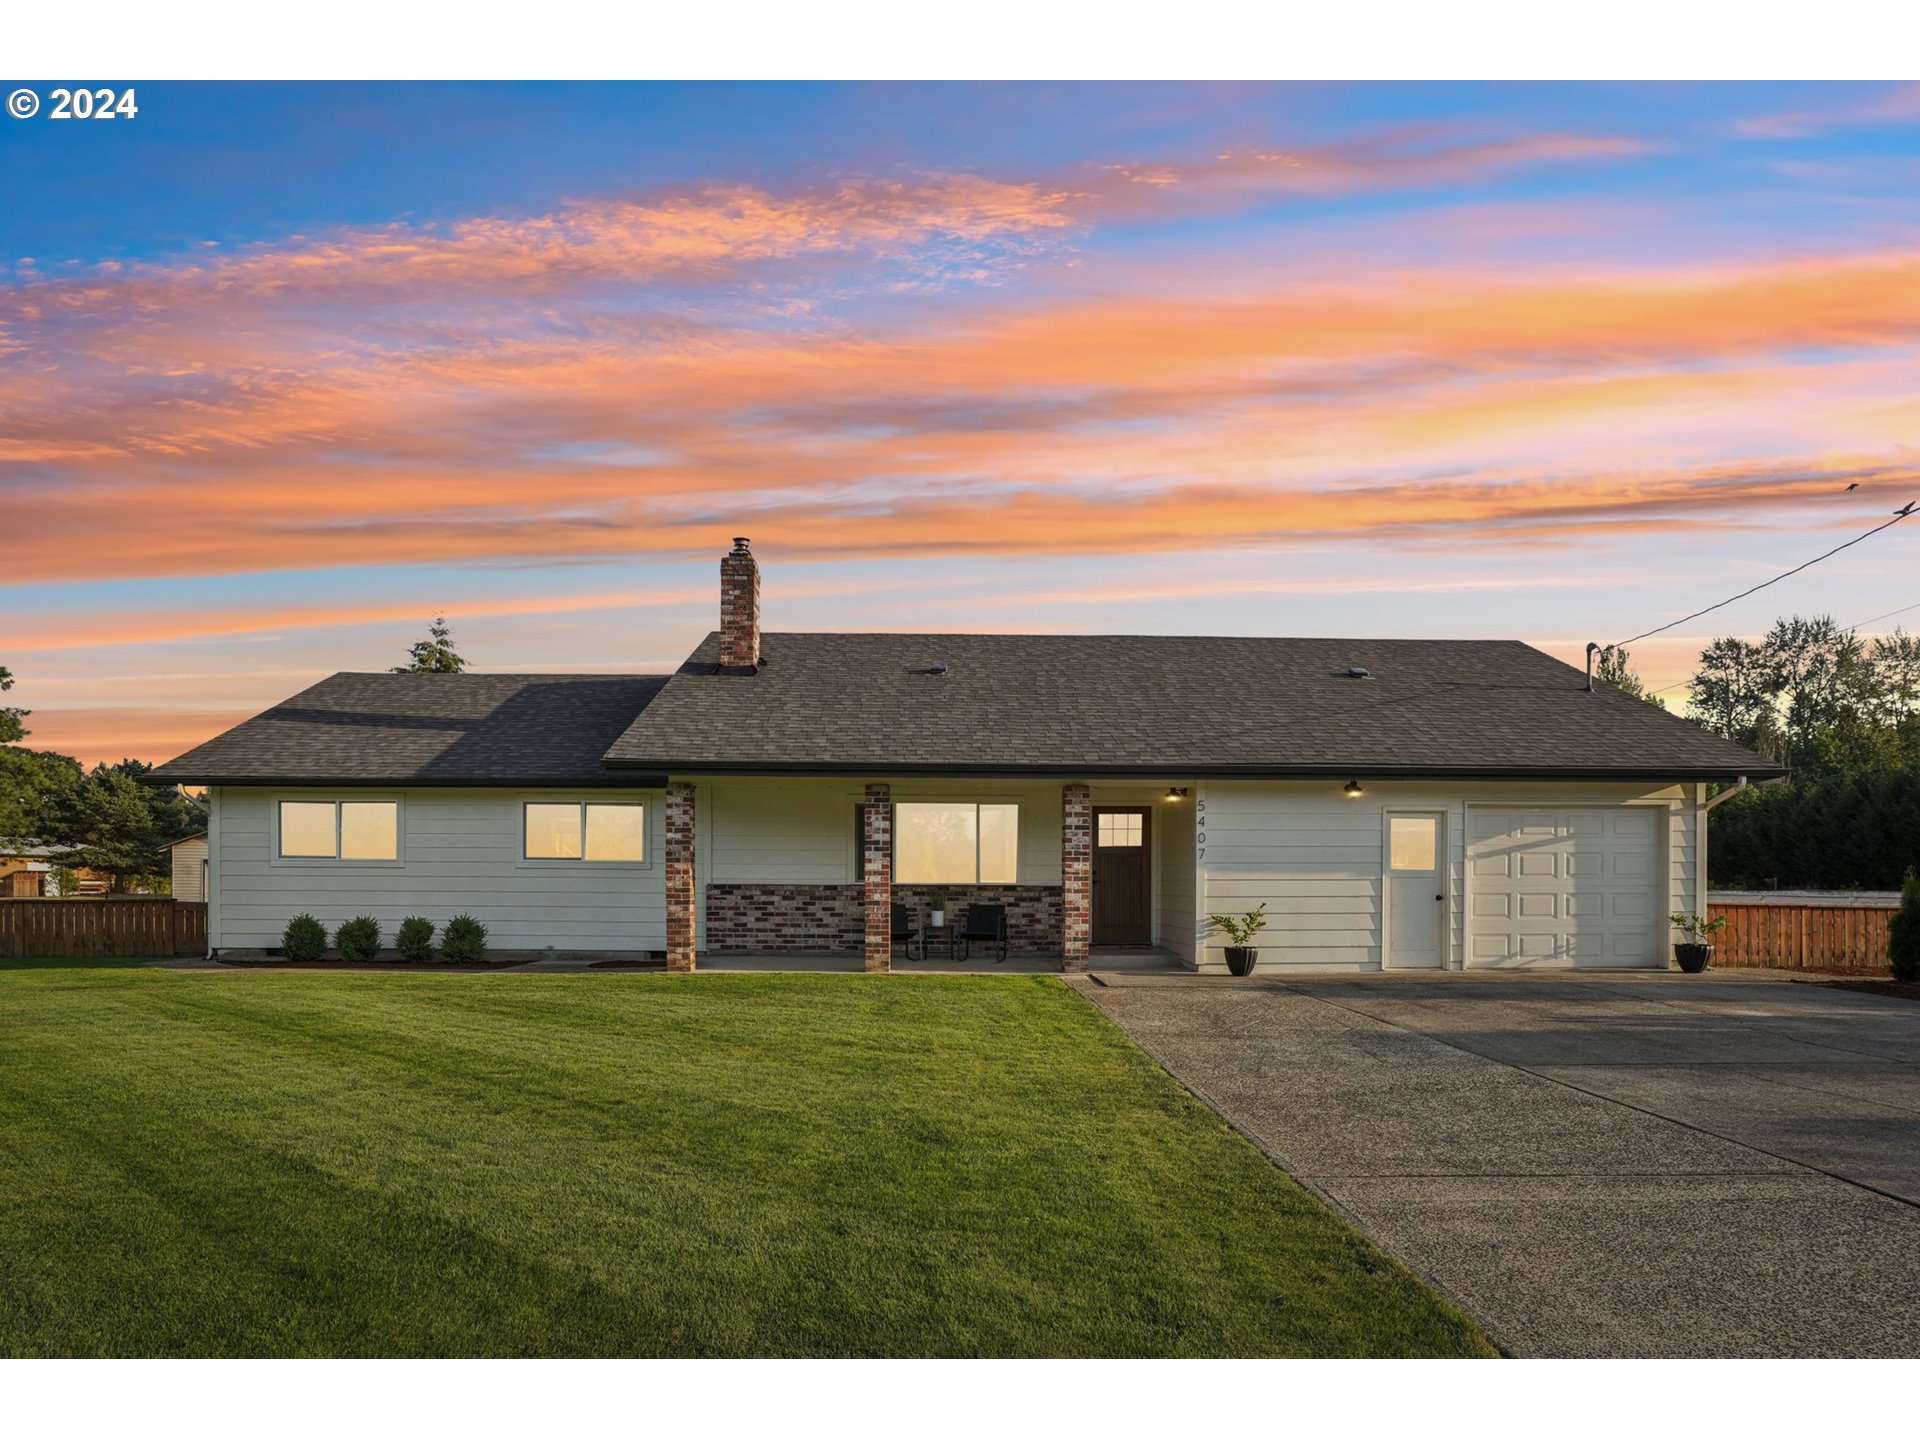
x=1153, y=961
x=793, y=873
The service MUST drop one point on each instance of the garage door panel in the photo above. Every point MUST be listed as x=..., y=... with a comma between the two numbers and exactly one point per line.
x=1568, y=887
x=1486, y=824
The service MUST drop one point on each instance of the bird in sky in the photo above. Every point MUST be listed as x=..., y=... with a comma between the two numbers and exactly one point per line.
x=1854, y=486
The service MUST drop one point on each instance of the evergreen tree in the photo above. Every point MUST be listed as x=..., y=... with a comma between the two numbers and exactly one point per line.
x=1903, y=932
x=435, y=655
x=116, y=823
x=12, y=732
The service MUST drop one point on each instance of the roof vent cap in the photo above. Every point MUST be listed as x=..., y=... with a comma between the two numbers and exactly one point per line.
x=1359, y=672
x=932, y=667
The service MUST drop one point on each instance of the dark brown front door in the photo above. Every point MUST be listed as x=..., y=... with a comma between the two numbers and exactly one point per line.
x=1122, y=875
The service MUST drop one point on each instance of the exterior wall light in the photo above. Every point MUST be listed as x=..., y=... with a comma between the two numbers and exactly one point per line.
x=1354, y=790
x=1176, y=792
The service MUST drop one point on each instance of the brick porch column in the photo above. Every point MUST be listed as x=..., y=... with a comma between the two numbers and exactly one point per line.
x=679, y=877
x=1076, y=875
x=877, y=875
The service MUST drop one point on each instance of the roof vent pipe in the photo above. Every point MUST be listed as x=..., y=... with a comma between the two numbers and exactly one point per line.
x=1592, y=650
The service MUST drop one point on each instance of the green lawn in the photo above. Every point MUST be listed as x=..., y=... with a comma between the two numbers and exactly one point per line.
x=633, y=1164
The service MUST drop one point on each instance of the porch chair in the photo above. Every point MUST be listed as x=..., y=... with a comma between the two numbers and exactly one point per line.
x=987, y=923
x=905, y=929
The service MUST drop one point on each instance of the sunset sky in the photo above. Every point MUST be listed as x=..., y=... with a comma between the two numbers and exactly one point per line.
x=285, y=370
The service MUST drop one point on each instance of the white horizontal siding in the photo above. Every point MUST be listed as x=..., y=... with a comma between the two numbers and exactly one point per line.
x=780, y=833
x=460, y=853
x=801, y=832
x=1314, y=857
x=189, y=866
x=1178, y=928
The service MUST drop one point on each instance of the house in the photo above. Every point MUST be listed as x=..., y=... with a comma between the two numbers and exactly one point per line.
x=1406, y=804
x=32, y=871
x=187, y=858
x=25, y=870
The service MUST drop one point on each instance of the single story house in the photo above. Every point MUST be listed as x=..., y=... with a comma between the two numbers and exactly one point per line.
x=30, y=870
x=25, y=869
x=1400, y=804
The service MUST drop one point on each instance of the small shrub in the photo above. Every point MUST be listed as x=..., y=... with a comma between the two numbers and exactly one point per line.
x=1241, y=929
x=414, y=940
x=1697, y=928
x=1903, y=932
x=305, y=938
x=358, y=938
x=465, y=940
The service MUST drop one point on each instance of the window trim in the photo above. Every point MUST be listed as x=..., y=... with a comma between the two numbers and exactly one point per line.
x=336, y=799
x=642, y=803
x=1436, y=820
x=976, y=801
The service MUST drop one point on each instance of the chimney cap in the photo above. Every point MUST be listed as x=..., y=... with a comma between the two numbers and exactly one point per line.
x=740, y=545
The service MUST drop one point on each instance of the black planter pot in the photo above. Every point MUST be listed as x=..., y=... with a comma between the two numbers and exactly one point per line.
x=1240, y=958
x=1693, y=958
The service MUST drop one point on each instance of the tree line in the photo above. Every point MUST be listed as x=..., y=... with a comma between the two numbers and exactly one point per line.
x=1843, y=714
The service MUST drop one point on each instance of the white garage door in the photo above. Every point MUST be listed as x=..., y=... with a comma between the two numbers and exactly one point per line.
x=1577, y=886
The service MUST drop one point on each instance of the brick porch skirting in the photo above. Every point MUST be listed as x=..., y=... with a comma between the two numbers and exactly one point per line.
x=777, y=918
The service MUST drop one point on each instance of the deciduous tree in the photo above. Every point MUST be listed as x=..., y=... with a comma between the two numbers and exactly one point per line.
x=1614, y=666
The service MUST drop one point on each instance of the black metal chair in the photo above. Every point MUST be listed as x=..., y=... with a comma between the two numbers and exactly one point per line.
x=905, y=929
x=988, y=924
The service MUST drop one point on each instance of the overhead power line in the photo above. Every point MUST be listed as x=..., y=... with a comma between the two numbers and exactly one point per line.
x=1902, y=513
x=1857, y=625
x=1876, y=619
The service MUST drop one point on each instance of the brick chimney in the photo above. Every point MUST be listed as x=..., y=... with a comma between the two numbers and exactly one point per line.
x=739, y=608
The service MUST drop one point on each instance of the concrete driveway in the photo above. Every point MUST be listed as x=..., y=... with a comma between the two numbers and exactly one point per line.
x=1646, y=1165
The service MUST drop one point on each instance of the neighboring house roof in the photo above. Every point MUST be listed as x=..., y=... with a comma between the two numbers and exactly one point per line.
x=1162, y=705
x=27, y=850
x=426, y=729
x=185, y=839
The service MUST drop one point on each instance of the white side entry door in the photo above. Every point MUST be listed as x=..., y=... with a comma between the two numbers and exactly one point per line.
x=1416, y=898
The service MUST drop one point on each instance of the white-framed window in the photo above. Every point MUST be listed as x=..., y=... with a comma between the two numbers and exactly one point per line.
x=1413, y=843
x=955, y=842
x=597, y=832
x=337, y=830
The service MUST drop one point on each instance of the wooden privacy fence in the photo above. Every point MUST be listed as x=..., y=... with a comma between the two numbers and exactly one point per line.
x=69, y=928
x=1802, y=936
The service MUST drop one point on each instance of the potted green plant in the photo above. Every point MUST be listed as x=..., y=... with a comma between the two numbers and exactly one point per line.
x=1696, y=951
x=1239, y=929
x=937, y=912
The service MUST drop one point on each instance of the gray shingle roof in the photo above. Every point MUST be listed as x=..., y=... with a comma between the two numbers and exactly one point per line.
x=1167, y=705
x=429, y=730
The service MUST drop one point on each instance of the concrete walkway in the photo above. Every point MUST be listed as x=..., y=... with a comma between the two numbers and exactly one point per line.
x=1591, y=1166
